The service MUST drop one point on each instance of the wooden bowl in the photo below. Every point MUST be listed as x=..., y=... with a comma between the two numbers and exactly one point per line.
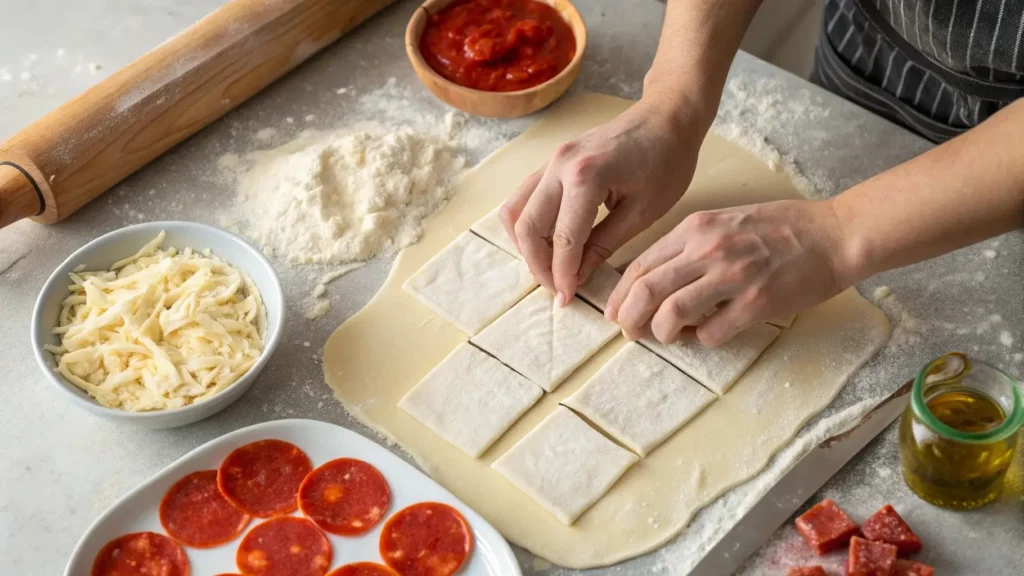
x=494, y=104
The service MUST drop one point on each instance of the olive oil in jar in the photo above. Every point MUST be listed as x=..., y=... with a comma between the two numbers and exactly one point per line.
x=956, y=442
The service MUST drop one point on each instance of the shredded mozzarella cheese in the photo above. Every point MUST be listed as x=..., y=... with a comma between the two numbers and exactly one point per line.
x=162, y=329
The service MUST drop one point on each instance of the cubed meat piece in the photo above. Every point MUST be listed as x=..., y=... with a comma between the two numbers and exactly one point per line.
x=887, y=526
x=825, y=527
x=869, y=558
x=807, y=571
x=911, y=568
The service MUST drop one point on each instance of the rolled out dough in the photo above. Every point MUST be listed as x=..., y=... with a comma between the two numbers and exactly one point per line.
x=470, y=399
x=470, y=283
x=543, y=342
x=564, y=465
x=726, y=444
x=716, y=368
x=639, y=399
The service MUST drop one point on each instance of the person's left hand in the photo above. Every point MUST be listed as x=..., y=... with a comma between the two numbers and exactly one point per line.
x=736, y=266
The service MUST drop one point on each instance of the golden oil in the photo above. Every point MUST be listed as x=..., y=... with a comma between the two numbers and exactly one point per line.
x=956, y=440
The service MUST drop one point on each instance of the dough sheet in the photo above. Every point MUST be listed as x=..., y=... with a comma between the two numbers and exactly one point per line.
x=727, y=443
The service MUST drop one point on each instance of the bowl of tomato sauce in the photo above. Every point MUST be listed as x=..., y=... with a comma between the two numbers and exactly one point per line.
x=496, y=58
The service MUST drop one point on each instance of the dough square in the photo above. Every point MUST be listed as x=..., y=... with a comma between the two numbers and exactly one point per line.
x=716, y=368
x=470, y=399
x=564, y=465
x=639, y=399
x=598, y=288
x=470, y=283
x=543, y=342
x=490, y=228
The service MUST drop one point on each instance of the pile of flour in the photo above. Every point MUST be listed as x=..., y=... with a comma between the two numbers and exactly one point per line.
x=343, y=196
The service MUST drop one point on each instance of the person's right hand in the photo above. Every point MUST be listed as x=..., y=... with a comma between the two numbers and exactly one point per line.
x=638, y=166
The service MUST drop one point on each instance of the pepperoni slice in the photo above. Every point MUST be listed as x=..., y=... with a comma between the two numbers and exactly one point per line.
x=195, y=513
x=262, y=478
x=284, y=546
x=363, y=569
x=345, y=496
x=141, y=554
x=426, y=539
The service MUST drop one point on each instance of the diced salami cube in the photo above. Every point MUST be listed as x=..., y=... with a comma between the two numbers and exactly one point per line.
x=825, y=527
x=911, y=568
x=807, y=571
x=887, y=526
x=869, y=558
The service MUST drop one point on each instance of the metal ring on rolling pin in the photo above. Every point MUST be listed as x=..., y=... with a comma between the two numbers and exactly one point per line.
x=35, y=186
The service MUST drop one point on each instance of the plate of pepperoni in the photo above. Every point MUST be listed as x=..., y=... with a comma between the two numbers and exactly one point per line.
x=291, y=498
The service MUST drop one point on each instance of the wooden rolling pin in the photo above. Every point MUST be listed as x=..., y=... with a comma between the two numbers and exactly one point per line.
x=75, y=153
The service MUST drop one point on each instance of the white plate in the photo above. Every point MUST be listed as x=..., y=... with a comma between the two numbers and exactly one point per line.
x=138, y=511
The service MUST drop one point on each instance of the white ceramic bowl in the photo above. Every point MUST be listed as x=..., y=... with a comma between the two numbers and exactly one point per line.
x=100, y=254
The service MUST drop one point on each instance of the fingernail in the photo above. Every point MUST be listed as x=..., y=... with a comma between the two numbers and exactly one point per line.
x=560, y=300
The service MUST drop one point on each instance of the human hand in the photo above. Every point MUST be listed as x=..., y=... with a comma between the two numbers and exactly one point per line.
x=638, y=166
x=737, y=266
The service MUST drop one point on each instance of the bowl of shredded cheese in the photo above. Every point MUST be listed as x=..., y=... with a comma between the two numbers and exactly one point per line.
x=159, y=324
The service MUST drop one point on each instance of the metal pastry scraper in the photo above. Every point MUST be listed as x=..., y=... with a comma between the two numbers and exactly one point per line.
x=804, y=479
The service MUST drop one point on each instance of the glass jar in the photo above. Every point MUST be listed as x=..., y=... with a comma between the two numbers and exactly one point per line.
x=959, y=433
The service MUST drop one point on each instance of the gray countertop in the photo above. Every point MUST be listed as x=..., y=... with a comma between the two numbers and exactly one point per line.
x=62, y=467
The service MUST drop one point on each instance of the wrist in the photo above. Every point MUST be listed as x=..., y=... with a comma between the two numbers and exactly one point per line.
x=679, y=102
x=849, y=253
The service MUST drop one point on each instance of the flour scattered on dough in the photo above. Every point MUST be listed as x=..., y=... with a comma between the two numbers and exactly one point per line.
x=990, y=254
x=341, y=196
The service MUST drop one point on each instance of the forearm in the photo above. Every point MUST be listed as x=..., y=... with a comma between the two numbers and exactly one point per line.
x=964, y=191
x=699, y=39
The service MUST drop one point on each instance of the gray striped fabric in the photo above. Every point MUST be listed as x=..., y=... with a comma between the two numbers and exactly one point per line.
x=938, y=67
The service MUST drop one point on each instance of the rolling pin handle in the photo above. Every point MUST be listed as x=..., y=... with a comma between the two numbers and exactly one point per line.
x=20, y=195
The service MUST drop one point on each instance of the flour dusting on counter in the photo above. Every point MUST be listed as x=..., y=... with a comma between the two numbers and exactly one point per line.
x=719, y=517
x=754, y=109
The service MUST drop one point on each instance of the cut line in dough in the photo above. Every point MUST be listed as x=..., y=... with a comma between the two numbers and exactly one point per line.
x=543, y=342
x=491, y=229
x=470, y=283
x=598, y=288
x=470, y=399
x=716, y=368
x=564, y=465
x=639, y=399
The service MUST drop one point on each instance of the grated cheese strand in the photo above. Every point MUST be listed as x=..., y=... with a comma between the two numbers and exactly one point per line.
x=162, y=329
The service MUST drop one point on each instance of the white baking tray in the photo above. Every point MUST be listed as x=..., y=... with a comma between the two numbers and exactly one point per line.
x=138, y=511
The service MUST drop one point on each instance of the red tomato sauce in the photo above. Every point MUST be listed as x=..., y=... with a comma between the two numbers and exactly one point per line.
x=498, y=45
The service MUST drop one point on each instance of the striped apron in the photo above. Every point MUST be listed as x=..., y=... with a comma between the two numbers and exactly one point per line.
x=937, y=67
